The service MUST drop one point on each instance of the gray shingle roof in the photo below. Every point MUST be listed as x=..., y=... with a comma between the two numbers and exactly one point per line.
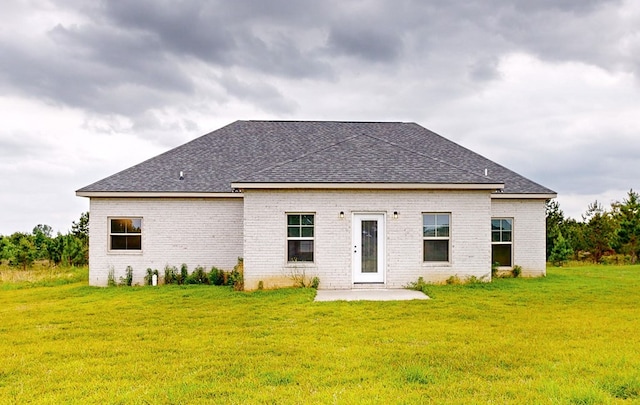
x=313, y=152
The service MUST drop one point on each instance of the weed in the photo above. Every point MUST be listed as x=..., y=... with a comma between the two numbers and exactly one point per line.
x=475, y=280
x=260, y=285
x=315, y=282
x=236, y=277
x=494, y=269
x=127, y=280
x=111, y=278
x=517, y=271
x=453, y=280
x=417, y=375
x=419, y=285
x=298, y=275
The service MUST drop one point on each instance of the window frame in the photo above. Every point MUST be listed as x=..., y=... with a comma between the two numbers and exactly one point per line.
x=436, y=237
x=301, y=226
x=111, y=234
x=502, y=242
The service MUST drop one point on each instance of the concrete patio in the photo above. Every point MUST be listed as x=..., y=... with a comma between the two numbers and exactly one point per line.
x=393, y=294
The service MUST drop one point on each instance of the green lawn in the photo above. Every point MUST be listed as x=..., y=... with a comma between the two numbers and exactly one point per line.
x=572, y=337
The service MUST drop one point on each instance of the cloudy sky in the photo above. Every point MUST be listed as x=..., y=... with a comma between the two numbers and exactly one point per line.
x=548, y=88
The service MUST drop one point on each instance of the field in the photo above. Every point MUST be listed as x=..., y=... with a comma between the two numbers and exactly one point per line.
x=570, y=338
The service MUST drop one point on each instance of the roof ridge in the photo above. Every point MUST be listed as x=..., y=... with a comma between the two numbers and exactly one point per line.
x=288, y=161
x=429, y=157
x=334, y=121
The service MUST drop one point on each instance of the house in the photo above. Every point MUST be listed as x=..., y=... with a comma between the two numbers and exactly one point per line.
x=353, y=203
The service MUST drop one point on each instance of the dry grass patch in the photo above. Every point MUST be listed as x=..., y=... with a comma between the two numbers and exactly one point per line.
x=40, y=274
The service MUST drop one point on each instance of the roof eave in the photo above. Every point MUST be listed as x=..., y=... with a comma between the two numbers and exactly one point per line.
x=531, y=196
x=154, y=194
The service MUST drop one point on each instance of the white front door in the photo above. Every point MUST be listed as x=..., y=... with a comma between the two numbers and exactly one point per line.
x=368, y=248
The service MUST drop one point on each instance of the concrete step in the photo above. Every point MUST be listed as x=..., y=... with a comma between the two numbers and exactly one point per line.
x=369, y=286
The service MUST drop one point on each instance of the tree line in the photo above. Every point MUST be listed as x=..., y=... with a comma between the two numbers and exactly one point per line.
x=604, y=235
x=70, y=249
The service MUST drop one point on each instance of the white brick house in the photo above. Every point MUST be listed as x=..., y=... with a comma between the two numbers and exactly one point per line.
x=356, y=204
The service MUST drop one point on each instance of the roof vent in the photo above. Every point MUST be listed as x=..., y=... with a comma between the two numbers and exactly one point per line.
x=486, y=172
x=181, y=175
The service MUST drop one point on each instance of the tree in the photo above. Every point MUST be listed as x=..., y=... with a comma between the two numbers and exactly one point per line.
x=70, y=249
x=574, y=234
x=80, y=229
x=599, y=231
x=75, y=251
x=561, y=251
x=41, y=237
x=628, y=215
x=4, y=248
x=55, y=248
x=21, y=249
x=555, y=222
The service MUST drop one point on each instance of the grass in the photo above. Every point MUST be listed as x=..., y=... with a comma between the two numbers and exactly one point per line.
x=570, y=338
x=40, y=275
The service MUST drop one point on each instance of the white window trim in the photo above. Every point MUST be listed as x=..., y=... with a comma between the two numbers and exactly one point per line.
x=303, y=263
x=110, y=234
x=504, y=243
x=448, y=238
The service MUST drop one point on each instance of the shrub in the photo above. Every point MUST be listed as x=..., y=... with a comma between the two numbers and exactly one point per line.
x=184, y=273
x=315, y=282
x=170, y=274
x=216, y=276
x=199, y=276
x=561, y=251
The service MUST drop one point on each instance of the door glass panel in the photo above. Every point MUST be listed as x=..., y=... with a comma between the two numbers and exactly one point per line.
x=369, y=246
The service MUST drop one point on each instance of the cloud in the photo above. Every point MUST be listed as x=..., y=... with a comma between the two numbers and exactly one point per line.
x=365, y=42
x=548, y=88
x=224, y=34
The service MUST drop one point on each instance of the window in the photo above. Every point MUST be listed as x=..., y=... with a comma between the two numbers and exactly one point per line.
x=300, y=237
x=435, y=233
x=125, y=233
x=501, y=241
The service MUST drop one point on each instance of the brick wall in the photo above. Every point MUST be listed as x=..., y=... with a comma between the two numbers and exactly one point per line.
x=209, y=231
x=265, y=234
x=195, y=231
x=529, y=232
